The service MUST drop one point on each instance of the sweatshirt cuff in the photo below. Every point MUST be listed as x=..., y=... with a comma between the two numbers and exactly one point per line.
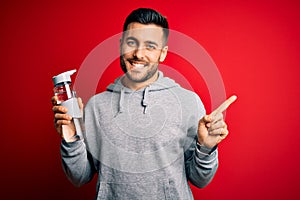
x=69, y=144
x=203, y=151
x=70, y=148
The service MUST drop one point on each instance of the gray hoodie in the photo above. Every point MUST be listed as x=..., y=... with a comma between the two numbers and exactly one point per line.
x=141, y=143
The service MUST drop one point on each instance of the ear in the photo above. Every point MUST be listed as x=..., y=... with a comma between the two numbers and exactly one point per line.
x=163, y=54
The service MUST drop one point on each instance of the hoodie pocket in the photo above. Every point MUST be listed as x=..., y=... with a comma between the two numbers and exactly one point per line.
x=134, y=191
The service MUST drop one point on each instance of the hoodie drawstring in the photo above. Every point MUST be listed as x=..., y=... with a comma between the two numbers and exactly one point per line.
x=121, y=100
x=145, y=100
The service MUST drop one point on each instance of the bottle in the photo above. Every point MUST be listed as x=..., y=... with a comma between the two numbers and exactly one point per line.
x=66, y=97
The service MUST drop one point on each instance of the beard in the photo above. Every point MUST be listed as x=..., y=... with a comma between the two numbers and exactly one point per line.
x=152, y=68
x=122, y=63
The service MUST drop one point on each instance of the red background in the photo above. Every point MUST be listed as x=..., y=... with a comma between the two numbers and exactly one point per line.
x=255, y=45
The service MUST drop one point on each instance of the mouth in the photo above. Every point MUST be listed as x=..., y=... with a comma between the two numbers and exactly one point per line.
x=137, y=65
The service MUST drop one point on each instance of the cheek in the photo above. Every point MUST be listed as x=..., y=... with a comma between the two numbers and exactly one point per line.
x=154, y=57
x=127, y=55
x=126, y=51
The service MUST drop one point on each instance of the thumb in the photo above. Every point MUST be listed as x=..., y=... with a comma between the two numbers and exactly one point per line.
x=54, y=100
x=204, y=120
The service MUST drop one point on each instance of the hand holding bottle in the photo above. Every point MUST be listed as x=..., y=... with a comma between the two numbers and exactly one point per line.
x=66, y=107
x=63, y=122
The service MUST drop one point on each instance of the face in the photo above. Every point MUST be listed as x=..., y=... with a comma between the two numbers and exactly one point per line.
x=142, y=49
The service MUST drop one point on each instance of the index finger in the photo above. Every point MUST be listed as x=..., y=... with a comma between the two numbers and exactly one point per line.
x=224, y=105
x=59, y=109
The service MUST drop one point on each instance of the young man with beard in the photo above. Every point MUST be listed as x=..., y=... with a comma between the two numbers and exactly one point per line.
x=145, y=136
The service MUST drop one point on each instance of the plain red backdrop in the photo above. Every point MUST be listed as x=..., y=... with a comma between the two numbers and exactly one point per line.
x=255, y=45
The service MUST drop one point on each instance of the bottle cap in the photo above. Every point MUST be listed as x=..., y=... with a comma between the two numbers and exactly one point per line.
x=63, y=77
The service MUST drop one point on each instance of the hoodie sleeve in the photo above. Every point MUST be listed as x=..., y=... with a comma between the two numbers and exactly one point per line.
x=201, y=163
x=77, y=162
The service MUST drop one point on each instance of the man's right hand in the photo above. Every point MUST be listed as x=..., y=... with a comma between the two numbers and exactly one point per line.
x=63, y=122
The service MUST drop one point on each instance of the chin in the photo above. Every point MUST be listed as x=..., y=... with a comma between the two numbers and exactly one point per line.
x=136, y=78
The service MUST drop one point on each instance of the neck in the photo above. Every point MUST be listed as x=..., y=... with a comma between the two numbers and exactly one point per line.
x=138, y=85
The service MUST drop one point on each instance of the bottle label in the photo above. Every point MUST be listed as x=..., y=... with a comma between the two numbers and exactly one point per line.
x=73, y=107
x=61, y=93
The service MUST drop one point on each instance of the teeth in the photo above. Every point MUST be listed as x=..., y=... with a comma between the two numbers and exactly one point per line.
x=138, y=65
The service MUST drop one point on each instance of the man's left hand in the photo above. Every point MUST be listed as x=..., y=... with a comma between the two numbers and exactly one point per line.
x=212, y=128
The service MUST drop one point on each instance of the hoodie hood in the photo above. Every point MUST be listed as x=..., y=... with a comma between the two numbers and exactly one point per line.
x=162, y=83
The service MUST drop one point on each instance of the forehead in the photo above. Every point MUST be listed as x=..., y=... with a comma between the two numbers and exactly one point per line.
x=144, y=32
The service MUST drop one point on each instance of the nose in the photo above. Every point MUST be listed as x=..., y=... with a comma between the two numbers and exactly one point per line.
x=139, y=53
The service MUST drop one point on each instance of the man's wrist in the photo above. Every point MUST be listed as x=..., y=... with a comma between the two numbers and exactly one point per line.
x=204, y=149
x=74, y=138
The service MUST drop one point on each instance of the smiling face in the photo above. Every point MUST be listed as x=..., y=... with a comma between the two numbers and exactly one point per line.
x=142, y=49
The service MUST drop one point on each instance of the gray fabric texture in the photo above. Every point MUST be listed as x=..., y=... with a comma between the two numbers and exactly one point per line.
x=141, y=143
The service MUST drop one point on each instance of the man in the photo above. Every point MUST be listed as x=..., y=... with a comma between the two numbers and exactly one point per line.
x=145, y=136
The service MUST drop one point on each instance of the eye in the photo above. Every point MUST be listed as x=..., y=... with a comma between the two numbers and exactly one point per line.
x=131, y=43
x=150, y=46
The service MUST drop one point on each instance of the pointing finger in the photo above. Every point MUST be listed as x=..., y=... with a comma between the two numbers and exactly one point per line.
x=224, y=105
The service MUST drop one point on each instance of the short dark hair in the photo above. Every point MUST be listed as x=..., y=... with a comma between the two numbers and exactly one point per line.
x=148, y=16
